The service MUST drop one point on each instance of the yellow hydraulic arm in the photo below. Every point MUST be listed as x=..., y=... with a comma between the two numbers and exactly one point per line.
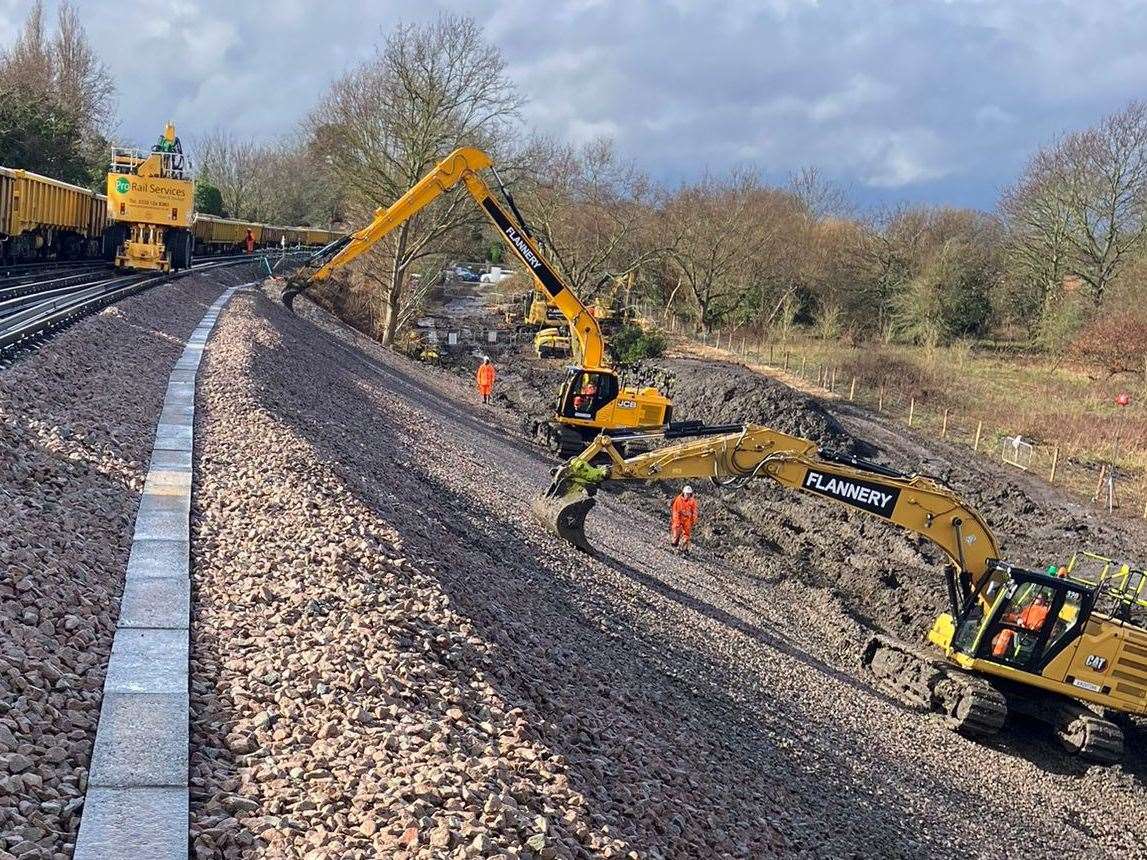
x=461, y=167
x=913, y=502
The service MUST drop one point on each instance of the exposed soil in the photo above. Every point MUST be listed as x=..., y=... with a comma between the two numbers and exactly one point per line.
x=391, y=659
x=77, y=421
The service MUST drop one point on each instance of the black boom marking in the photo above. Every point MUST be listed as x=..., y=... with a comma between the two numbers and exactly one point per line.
x=517, y=239
x=874, y=498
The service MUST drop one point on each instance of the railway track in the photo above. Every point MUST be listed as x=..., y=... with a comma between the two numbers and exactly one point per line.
x=37, y=301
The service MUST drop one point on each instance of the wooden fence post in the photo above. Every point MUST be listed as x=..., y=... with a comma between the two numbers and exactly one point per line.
x=852, y=389
x=742, y=346
x=944, y=426
x=911, y=411
x=880, y=402
x=804, y=359
x=1054, y=463
x=1099, y=486
x=786, y=367
x=979, y=430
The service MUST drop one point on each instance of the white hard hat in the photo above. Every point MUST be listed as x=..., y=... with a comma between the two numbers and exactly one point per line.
x=687, y=490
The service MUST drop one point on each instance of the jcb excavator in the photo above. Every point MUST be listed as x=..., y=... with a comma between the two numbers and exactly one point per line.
x=591, y=399
x=1013, y=639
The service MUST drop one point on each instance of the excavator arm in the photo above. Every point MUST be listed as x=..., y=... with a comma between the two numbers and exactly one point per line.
x=912, y=502
x=461, y=168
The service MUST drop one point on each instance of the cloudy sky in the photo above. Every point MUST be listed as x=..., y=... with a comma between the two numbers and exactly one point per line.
x=897, y=99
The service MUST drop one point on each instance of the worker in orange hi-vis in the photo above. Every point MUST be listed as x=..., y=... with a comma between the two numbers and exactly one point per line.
x=485, y=377
x=682, y=518
x=249, y=241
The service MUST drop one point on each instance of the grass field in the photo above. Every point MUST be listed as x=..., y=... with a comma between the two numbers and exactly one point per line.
x=1067, y=412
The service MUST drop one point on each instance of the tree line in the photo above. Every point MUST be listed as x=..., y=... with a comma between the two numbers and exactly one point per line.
x=1059, y=265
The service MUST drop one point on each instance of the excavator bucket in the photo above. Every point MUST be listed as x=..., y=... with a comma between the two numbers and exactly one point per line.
x=563, y=507
x=564, y=515
x=295, y=285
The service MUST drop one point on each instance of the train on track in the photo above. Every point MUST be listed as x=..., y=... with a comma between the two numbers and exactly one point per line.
x=45, y=219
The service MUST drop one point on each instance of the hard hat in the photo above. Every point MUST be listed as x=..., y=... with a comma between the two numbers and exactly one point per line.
x=687, y=490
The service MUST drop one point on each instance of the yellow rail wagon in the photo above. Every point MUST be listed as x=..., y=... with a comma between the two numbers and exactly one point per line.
x=150, y=196
x=42, y=218
x=320, y=237
x=214, y=235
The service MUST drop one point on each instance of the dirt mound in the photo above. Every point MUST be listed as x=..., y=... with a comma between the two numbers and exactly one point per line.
x=728, y=393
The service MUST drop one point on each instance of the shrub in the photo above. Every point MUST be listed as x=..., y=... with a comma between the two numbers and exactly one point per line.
x=632, y=343
x=1115, y=342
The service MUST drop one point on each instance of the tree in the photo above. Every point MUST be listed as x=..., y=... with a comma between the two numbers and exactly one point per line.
x=208, y=200
x=35, y=136
x=429, y=89
x=589, y=210
x=715, y=239
x=56, y=99
x=1080, y=209
x=237, y=168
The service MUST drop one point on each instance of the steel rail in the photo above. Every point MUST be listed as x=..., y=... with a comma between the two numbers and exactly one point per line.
x=40, y=315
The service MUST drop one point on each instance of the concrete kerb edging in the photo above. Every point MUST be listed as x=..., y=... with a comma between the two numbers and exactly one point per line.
x=137, y=798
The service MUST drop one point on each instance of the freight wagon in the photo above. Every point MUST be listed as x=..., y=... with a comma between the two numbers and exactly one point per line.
x=214, y=235
x=43, y=218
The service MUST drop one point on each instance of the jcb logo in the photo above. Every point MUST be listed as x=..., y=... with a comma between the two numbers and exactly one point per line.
x=1094, y=661
x=627, y=404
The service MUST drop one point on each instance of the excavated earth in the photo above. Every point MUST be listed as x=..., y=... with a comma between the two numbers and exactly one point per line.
x=390, y=659
x=77, y=420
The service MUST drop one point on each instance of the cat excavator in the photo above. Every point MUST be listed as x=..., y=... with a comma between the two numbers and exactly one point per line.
x=1012, y=640
x=591, y=399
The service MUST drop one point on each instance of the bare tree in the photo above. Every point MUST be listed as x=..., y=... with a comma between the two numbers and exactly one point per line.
x=83, y=83
x=1082, y=204
x=717, y=237
x=589, y=210
x=429, y=89
x=237, y=167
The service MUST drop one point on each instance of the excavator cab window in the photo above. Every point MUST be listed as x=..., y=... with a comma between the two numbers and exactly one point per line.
x=1034, y=617
x=587, y=391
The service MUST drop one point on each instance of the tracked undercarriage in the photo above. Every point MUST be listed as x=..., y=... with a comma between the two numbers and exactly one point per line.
x=970, y=705
x=975, y=707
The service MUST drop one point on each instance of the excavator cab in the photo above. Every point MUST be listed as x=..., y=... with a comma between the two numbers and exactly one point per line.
x=1023, y=620
x=586, y=392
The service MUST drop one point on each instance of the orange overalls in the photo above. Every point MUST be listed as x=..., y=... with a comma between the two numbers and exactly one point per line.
x=683, y=516
x=485, y=377
x=1031, y=618
x=249, y=241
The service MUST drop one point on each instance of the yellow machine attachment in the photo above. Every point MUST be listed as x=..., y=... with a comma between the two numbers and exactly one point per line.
x=551, y=343
x=150, y=200
x=1029, y=641
x=591, y=399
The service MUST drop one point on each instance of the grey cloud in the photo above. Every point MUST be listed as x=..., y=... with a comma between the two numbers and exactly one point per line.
x=924, y=100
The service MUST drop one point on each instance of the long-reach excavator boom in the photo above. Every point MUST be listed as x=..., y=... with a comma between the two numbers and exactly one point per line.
x=1015, y=639
x=591, y=399
x=461, y=167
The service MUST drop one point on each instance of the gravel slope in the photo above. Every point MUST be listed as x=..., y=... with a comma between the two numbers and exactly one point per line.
x=77, y=420
x=390, y=659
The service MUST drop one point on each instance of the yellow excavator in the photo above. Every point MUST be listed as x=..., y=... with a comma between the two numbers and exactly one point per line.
x=591, y=399
x=1013, y=640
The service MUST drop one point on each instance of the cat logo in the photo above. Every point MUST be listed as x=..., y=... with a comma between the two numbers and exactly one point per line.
x=1094, y=661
